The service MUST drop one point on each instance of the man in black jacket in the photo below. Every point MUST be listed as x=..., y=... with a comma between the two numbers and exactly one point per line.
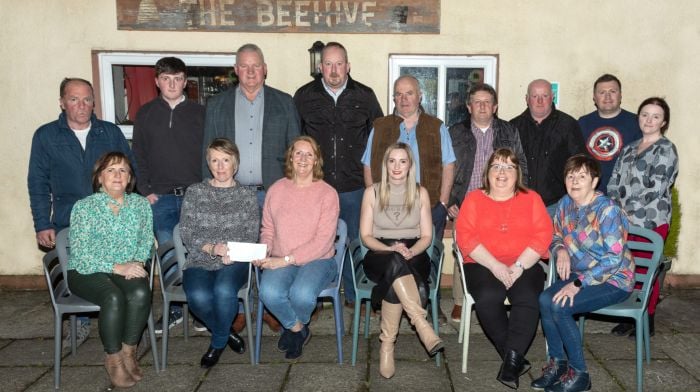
x=338, y=112
x=549, y=137
x=474, y=140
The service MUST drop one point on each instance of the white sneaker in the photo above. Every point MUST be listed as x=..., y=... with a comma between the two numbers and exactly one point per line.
x=82, y=333
x=198, y=326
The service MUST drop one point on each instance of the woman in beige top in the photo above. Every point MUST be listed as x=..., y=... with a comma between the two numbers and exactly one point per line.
x=396, y=227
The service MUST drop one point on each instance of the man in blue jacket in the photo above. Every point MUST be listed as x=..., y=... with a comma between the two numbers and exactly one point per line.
x=61, y=162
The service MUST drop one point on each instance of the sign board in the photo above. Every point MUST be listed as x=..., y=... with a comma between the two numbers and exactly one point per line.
x=281, y=16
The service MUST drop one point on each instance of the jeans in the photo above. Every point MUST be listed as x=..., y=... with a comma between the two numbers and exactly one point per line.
x=124, y=305
x=560, y=328
x=166, y=214
x=290, y=293
x=439, y=213
x=350, y=203
x=213, y=297
x=513, y=331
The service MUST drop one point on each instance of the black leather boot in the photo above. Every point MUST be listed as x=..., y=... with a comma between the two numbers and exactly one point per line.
x=514, y=365
x=211, y=357
x=571, y=381
x=551, y=373
x=236, y=342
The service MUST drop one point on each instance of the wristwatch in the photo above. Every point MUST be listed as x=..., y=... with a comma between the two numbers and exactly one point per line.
x=288, y=259
x=578, y=283
x=520, y=265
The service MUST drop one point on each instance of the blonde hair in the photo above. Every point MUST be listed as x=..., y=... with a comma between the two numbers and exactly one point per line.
x=411, y=186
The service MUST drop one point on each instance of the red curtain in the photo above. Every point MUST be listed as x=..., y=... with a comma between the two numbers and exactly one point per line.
x=140, y=86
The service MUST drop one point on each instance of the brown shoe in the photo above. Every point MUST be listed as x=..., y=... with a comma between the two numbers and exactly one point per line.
x=456, y=315
x=117, y=372
x=272, y=322
x=238, y=323
x=131, y=363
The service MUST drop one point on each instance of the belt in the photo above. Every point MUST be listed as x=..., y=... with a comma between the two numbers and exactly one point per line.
x=179, y=191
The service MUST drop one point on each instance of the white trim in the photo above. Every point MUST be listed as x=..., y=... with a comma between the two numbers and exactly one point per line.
x=106, y=60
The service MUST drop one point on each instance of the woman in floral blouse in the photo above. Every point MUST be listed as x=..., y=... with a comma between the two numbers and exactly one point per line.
x=111, y=236
x=642, y=181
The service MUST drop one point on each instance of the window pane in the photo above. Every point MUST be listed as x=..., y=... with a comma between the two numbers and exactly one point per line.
x=457, y=84
x=428, y=79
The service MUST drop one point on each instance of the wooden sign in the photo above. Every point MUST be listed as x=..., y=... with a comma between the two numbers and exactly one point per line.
x=281, y=16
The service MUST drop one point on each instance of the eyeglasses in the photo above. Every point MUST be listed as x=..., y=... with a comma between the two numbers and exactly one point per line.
x=496, y=167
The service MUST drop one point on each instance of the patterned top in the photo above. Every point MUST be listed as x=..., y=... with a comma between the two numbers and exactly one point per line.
x=642, y=182
x=211, y=215
x=595, y=236
x=99, y=239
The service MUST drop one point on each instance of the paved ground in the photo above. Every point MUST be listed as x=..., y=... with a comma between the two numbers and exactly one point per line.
x=26, y=357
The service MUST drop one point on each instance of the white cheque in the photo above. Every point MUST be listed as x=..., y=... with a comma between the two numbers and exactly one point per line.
x=246, y=251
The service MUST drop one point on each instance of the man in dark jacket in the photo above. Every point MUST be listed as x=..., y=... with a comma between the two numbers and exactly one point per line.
x=61, y=162
x=167, y=146
x=474, y=140
x=549, y=137
x=338, y=112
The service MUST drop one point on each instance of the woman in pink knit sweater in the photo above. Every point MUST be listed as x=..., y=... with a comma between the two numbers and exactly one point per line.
x=299, y=222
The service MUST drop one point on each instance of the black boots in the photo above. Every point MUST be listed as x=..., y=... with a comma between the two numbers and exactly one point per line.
x=571, y=381
x=514, y=365
x=550, y=374
x=236, y=342
x=211, y=357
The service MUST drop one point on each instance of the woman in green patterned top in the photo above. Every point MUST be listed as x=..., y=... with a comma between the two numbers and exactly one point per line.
x=111, y=236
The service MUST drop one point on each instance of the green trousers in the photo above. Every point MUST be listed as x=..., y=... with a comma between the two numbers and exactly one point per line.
x=124, y=305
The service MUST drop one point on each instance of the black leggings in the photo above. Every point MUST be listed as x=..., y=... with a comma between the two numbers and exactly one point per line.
x=507, y=332
x=383, y=267
x=124, y=305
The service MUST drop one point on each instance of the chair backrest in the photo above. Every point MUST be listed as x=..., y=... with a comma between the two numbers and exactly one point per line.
x=341, y=245
x=63, y=250
x=655, y=247
x=55, y=279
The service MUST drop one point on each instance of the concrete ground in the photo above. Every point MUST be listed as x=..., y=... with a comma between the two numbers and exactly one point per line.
x=26, y=356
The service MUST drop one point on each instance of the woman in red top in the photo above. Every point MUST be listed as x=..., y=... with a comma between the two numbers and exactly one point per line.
x=502, y=231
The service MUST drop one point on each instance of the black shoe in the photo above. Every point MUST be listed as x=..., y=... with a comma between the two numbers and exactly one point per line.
x=622, y=329
x=297, y=342
x=174, y=318
x=236, y=342
x=551, y=373
x=513, y=366
x=284, y=342
x=572, y=381
x=211, y=357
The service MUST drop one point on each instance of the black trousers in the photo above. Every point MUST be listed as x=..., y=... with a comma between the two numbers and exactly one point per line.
x=383, y=267
x=506, y=332
x=124, y=305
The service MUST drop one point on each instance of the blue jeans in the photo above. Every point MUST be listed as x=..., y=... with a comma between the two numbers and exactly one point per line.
x=290, y=293
x=213, y=297
x=350, y=203
x=560, y=328
x=439, y=214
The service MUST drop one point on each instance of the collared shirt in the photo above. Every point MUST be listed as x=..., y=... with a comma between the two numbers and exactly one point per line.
x=334, y=94
x=408, y=136
x=249, y=123
x=484, y=149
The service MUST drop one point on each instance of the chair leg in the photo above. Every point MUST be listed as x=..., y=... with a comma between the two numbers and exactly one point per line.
x=249, y=328
x=339, y=326
x=57, y=343
x=435, y=309
x=186, y=320
x=465, y=328
x=258, y=330
x=639, y=332
x=356, y=329
x=647, y=341
x=152, y=339
x=164, y=335
x=368, y=310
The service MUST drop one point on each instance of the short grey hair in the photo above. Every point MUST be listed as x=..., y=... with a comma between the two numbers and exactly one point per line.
x=250, y=48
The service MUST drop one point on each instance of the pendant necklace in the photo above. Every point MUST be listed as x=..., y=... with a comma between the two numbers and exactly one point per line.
x=503, y=228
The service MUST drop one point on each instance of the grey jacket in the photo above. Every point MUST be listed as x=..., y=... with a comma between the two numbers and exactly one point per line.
x=280, y=126
x=464, y=145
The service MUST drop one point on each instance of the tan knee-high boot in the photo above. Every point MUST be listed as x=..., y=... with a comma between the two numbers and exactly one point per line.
x=117, y=372
x=406, y=289
x=391, y=318
x=130, y=362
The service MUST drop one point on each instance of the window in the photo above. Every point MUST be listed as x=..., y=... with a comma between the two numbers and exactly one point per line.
x=444, y=80
x=126, y=81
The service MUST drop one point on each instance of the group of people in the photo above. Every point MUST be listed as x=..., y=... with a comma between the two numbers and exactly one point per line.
x=258, y=165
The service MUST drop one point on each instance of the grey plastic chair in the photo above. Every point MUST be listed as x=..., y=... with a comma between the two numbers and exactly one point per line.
x=64, y=302
x=172, y=290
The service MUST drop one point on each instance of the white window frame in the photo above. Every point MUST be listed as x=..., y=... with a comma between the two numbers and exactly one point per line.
x=396, y=61
x=106, y=60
